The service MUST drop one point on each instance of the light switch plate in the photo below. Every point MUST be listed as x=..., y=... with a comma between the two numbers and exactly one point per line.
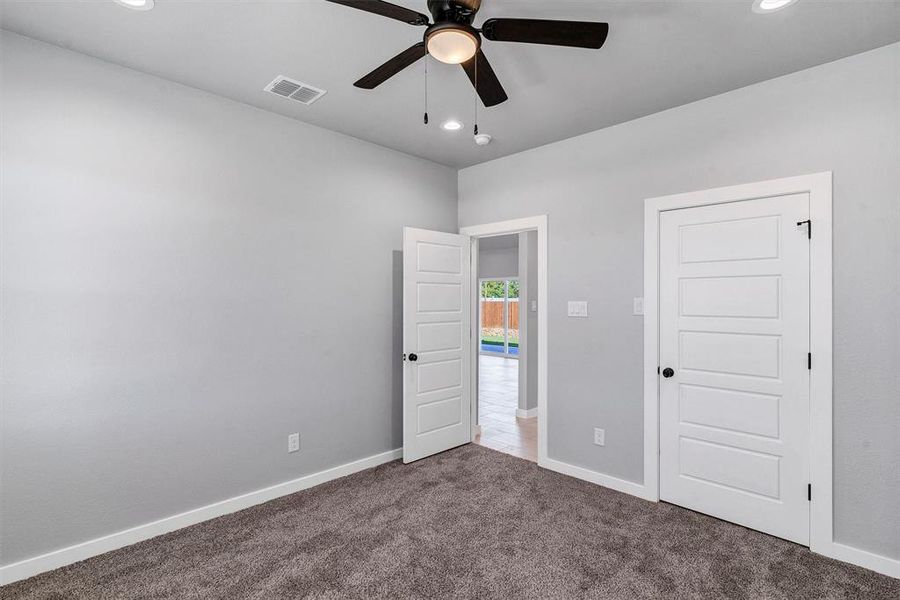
x=534, y=306
x=578, y=308
x=638, y=306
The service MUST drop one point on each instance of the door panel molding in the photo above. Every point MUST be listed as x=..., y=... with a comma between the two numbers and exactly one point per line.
x=436, y=317
x=819, y=188
x=725, y=471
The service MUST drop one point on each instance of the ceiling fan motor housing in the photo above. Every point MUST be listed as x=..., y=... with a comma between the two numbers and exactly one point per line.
x=454, y=11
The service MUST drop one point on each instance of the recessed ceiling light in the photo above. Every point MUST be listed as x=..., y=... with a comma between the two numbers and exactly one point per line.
x=767, y=6
x=136, y=4
x=452, y=125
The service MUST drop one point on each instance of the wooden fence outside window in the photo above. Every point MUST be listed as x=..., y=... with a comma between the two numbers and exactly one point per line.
x=492, y=313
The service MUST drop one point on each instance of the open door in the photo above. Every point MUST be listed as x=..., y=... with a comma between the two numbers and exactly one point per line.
x=436, y=344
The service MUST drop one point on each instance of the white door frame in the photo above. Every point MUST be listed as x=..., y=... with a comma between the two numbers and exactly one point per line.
x=539, y=224
x=818, y=186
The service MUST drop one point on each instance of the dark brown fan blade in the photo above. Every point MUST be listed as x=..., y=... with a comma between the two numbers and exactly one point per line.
x=392, y=67
x=577, y=34
x=386, y=9
x=488, y=86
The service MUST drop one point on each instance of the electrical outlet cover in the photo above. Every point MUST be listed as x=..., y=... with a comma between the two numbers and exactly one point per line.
x=578, y=308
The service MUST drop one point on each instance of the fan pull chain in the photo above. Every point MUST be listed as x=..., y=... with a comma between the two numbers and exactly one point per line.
x=475, y=58
x=426, y=91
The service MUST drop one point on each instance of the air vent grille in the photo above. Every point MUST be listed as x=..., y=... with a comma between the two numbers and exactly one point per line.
x=294, y=90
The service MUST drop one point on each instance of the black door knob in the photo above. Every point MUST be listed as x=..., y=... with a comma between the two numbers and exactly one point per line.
x=413, y=357
x=668, y=372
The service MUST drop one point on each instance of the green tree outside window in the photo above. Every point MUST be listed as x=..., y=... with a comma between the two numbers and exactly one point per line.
x=494, y=289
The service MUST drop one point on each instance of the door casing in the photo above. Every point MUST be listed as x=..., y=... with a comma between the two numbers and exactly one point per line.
x=539, y=224
x=819, y=188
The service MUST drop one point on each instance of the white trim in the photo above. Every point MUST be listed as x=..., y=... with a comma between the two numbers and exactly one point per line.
x=821, y=319
x=614, y=483
x=65, y=556
x=522, y=268
x=498, y=354
x=863, y=558
x=538, y=223
x=526, y=413
x=475, y=337
x=818, y=186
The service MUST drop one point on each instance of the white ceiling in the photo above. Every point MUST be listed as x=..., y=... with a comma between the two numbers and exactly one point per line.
x=658, y=55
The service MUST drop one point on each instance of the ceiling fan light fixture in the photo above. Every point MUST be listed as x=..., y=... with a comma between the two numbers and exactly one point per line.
x=768, y=6
x=452, y=44
x=136, y=4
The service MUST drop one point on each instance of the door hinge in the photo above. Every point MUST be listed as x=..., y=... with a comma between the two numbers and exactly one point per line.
x=809, y=492
x=657, y=369
x=808, y=223
x=809, y=360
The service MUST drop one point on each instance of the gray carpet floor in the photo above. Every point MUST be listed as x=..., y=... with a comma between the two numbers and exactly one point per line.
x=468, y=523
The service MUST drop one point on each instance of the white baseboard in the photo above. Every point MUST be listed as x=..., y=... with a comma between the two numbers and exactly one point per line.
x=65, y=556
x=614, y=483
x=529, y=413
x=862, y=558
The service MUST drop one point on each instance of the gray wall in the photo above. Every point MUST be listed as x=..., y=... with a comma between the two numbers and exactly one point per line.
x=842, y=117
x=498, y=263
x=186, y=281
x=528, y=247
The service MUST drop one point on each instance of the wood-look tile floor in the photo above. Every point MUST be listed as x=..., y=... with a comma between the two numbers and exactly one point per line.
x=498, y=398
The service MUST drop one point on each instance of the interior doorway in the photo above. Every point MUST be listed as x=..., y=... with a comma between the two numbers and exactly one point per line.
x=441, y=329
x=506, y=412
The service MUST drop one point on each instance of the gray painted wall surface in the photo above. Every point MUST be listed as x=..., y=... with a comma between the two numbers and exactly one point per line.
x=842, y=117
x=500, y=262
x=524, y=331
x=528, y=246
x=183, y=276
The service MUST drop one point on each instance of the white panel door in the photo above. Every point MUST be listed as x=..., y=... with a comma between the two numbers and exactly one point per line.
x=734, y=330
x=436, y=313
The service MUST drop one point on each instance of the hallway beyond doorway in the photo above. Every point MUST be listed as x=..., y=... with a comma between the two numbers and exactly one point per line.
x=498, y=392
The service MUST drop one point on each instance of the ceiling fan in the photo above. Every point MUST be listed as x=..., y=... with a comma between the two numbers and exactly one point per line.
x=452, y=39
